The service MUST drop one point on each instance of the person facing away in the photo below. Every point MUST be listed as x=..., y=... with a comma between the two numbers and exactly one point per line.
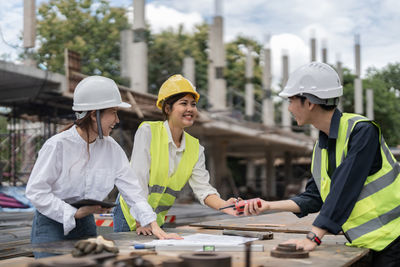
x=355, y=180
x=84, y=162
x=165, y=158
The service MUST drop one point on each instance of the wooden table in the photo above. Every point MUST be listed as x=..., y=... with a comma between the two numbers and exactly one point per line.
x=332, y=252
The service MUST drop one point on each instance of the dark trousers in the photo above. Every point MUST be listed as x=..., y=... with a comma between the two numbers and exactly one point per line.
x=389, y=257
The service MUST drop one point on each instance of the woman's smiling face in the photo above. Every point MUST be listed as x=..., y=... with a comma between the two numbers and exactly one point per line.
x=183, y=112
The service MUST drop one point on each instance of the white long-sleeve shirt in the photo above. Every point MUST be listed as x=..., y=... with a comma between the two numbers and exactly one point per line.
x=65, y=170
x=140, y=161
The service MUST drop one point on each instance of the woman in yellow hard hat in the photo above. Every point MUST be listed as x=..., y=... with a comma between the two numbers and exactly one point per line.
x=165, y=158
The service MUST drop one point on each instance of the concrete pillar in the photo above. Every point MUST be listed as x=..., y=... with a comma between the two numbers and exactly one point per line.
x=251, y=174
x=189, y=71
x=271, y=176
x=29, y=34
x=286, y=119
x=370, y=104
x=138, y=74
x=288, y=167
x=217, y=166
x=263, y=182
x=324, y=51
x=249, y=90
x=339, y=70
x=313, y=46
x=217, y=86
x=313, y=53
x=126, y=61
x=268, y=113
x=357, y=50
x=358, y=90
x=358, y=96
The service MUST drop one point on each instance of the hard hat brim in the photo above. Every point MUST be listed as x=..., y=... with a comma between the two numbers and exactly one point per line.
x=285, y=95
x=323, y=94
x=194, y=93
x=105, y=106
x=124, y=105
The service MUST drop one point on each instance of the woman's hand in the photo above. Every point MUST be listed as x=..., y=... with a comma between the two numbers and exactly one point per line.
x=158, y=232
x=229, y=202
x=87, y=210
x=143, y=230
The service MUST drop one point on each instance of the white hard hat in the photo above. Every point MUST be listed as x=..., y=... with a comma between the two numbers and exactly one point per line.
x=315, y=78
x=97, y=92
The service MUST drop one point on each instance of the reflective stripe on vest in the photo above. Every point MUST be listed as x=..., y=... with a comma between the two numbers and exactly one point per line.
x=163, y=190
x=160, y=189
x=369, y=225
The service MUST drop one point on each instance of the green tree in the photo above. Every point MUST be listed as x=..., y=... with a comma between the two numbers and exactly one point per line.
x=167, y=51
x=385, y=84
x=89, y=27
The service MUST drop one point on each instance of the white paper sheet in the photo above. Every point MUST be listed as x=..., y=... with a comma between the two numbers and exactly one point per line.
x=204, y=239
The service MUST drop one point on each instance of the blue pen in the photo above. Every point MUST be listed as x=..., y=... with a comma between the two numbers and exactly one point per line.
x=143, y=246
x=106, y=215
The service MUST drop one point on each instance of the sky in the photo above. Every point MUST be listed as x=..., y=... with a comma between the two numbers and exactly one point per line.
x=289, y=23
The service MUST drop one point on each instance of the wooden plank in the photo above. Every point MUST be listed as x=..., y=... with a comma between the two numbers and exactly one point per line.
x=284, y=222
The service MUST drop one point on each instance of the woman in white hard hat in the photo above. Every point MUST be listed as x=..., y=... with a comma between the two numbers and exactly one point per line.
x=84, y=162
x=166, y=157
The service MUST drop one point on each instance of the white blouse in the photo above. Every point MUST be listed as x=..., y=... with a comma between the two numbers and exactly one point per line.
x=65, y=171
x=140, y=161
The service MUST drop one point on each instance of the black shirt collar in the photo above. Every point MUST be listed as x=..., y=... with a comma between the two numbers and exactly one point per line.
x=333, y=130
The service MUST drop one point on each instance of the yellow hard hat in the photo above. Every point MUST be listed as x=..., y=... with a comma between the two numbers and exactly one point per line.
x=175, y=84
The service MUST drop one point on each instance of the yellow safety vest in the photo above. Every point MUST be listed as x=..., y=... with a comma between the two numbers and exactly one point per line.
x=375, y=219
x=163, y=190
